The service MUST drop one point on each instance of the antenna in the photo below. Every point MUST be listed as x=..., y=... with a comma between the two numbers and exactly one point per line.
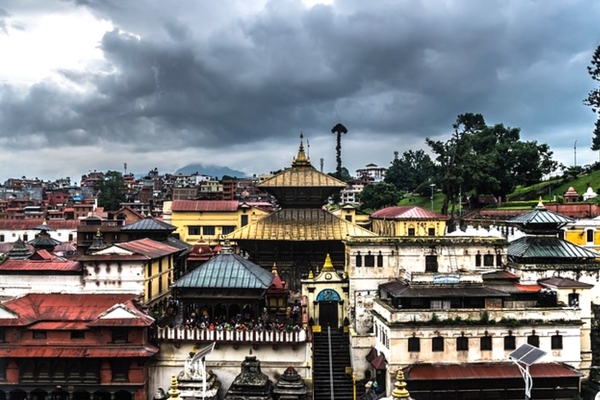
x=322, y=159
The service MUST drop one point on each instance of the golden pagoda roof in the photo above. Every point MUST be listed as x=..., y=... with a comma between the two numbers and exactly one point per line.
x=300, y=224
x=302, y=174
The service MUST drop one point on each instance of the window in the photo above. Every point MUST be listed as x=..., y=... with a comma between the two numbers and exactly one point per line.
x=437, y=344
x=498, y=260
x=414, y=344
x=589, y=236
x=478, y=260
x=1, y=238
x=561, y=235
x=358, y=259
x=77, y=334
x=440, y=304
x=120, y=371
x=431, y=231
x=369, y=260
x=411, y=231
x=193, y=230
x=2, y=335
x=70, y=237
x=119, y=335
x=510, y=342
x=533, y=340
x=380, y=260
x=208, y=230
x=556, y=342
x=25, y=237
x=40, y=335
x=226, y=230
x=462, y=343
x=431, y=264
x=2, y=369
x=348, y=218
x=573, y=300
x=488, y=260
x=244, y=220
x=485, y=343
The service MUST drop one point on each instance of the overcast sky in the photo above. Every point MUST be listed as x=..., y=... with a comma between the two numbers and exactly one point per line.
x=92, y=84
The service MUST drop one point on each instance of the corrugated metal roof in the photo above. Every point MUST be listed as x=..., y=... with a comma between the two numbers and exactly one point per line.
x=407, y=213
x=536, y=247
x=299, y=224
x=541, y=216
x=302, y=176
x=398, y=289
x=59, y=326
x=205, y=205
x=148, y=247
x=40, y=265
x=228, y=271
x=149, y=224
x=486, y=371
x=44, y=241
x=77, y=352
x=565, y=283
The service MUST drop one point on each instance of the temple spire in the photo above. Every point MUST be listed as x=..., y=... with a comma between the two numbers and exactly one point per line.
x=301, y=159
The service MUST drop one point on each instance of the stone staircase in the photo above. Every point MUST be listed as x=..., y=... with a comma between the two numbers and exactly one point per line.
x=340, y=354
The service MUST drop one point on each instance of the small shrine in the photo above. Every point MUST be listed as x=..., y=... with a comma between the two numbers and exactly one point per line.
x=291, y=386
x=571, y=195
x=19, y=251
x=589, y=194
x=400, y=391
x=251, y=383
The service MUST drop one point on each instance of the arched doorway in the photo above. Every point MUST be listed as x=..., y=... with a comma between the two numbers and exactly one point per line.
x=328, y=300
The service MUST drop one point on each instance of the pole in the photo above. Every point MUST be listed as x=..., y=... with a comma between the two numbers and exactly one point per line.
x=575, y=154
x=330, y=363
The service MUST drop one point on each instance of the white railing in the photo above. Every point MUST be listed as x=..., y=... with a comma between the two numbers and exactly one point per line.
x=232, y=336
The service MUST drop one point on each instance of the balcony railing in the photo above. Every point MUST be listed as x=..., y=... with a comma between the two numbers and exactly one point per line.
x=182, y=334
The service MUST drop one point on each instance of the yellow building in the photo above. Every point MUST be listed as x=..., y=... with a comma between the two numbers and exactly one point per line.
x=209, y=220
x=584, y=232
x=408, y=221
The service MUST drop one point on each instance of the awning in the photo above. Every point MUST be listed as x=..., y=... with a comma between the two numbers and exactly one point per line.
x=379, y=362
x=486, y=371
x=372, y=354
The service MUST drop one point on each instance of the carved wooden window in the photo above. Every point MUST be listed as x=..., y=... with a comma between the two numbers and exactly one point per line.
x=510, y=342
x=437, y=344
x=556, y=342
x=414, y=344
x=485, y=343
x=462, y=343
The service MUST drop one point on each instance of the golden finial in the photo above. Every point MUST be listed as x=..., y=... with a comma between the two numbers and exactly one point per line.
x=98, y=233
x=328, y=266
x=400, y=391
x=540, y=204
x=274, y=270
x=174, y=390
x=311, y=275
x=301, y=158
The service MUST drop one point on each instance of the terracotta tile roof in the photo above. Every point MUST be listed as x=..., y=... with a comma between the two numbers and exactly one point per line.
x=40, y=265
x=25, y=224
x=299, y=224
x=485, y=371
x=205, y=205
x=407, y=213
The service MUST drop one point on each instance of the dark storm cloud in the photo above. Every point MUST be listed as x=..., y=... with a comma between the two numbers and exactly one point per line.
x=208, y=76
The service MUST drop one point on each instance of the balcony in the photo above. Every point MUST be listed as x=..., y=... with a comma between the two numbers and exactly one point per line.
x=181, y=334
x=492, y=315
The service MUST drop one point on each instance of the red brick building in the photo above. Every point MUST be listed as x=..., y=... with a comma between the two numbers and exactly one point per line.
x=74, y=347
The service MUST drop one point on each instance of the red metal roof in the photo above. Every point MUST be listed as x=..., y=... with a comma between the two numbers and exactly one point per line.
x=77, y=352
x=485, y=371
x=528, y=288
x=407, y=213
x=59, y=326
x=38, y=307
x=149, y=248
x=40, y=265
x=205, y=205
x=24, y=224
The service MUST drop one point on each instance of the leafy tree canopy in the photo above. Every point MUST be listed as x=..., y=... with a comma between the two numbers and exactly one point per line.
x=593, y=98
x=375, y=196
x=410, y=170
x=111, y=191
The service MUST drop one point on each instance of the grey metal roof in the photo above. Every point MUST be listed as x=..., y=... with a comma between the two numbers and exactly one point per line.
x=149, y=224
x=398, y=289
x=541, y=216
x=227, y=271
x=545, y=247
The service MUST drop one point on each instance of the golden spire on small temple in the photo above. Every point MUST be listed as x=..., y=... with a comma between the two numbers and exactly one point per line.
x=328, y=266
x=274, y=270
x=174, y=390
x=301, y=158
x=400, y=391
x=311, y=275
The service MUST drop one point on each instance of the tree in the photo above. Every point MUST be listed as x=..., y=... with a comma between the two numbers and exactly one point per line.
x=339, y=129
x=593, y=98
x=111, y=191
x=379, y=195
x=411, y=170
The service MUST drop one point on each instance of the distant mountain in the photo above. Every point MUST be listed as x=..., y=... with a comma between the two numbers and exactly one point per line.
x=210, y=170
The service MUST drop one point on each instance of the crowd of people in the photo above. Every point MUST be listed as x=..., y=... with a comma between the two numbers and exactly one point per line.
x=241, y=323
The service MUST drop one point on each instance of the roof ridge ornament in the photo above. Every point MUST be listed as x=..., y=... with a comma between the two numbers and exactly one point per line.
x=301, y=159
x=540, y=205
